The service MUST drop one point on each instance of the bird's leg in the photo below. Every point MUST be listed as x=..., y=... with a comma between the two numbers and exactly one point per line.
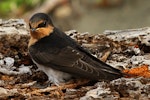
x=48, y=83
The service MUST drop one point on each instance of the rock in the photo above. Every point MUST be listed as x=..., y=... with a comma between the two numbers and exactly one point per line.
x=133, y=88
x=123, y=35
x=3, y=92
x=9, y=62
x=128, y=49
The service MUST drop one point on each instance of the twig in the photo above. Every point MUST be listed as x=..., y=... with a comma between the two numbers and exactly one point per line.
x=26, y=85
x=105, y=56
x=65, y=86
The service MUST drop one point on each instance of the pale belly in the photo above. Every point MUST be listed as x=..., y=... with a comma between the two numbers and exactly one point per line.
x=54, y=76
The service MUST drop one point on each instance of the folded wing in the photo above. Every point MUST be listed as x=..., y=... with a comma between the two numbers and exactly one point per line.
x=77, y=62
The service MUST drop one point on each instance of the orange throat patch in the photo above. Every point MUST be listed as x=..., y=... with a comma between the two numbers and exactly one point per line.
x=39, y=33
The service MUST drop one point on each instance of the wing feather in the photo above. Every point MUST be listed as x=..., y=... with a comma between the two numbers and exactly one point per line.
x=66, y=55
x=74, y=62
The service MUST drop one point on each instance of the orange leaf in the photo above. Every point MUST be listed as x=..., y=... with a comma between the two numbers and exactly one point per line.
x=139, y=71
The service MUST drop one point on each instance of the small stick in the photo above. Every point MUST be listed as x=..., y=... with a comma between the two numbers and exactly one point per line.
x=61, y=87
x=105, y=56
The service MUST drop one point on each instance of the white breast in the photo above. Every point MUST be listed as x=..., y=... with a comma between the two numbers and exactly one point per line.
x=54, y=76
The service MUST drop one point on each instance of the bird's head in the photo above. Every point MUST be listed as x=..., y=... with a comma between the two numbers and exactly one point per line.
x=40, y=25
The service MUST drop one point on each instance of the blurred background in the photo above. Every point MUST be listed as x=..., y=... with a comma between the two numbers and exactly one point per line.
x=93, y=16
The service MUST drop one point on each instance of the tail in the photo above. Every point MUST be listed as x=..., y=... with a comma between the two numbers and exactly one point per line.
x=109, y=72
x=105, y=71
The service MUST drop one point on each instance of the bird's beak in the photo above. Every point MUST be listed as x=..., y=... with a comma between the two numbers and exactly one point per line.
x=33, y=29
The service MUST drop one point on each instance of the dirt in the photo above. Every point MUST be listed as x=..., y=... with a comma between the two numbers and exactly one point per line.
x=20, y=79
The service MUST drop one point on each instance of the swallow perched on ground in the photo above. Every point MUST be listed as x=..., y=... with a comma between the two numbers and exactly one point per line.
x=60, y=57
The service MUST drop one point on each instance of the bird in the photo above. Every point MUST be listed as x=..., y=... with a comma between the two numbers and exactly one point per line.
x=60, y=57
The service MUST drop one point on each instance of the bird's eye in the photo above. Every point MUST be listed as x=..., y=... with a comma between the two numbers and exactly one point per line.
x=43, y=24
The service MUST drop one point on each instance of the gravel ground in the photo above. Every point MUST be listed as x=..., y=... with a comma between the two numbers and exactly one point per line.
x=20, y=79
